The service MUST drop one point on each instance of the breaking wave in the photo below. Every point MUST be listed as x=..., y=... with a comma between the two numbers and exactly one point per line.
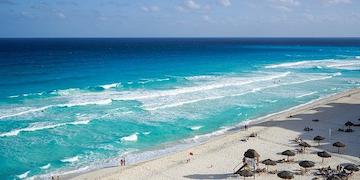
x=307, y=94
x=330, y=64
x=131, y=138
x=41, y=126
x=70, y=159
x=109, y=86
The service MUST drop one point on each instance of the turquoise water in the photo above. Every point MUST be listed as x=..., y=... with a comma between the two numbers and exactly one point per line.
x=72, y=105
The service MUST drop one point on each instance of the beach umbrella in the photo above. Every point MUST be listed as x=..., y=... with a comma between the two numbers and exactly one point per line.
x=318, y=139
x=339, y=145
x=351, y=167
x=323, y=155
x=251, y=153
x=349, y=124
x=304, y=145
x=268, y=162
x=246, y=173
x=285, y=175
x=306, y=164
x=288, y=153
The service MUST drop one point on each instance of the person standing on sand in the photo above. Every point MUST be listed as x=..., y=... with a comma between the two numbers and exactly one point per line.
x=121, y=162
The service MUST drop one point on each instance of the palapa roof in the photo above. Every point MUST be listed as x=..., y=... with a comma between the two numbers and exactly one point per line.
x=251, y=153
x=285, y=175
x=323, y=154
x=318, y=138
x=288, y=153
x=339, y=144
x=269, y=162
x=306, y=164
x=349, y=123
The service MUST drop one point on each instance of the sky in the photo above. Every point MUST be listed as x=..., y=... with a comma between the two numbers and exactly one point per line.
x=179, y=18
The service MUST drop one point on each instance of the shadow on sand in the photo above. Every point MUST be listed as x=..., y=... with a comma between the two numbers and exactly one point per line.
x=210, y=176
x=341, y=112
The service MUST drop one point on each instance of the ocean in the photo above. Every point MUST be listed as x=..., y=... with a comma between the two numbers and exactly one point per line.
x=73, y=105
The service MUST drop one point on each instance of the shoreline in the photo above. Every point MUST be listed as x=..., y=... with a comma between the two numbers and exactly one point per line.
x=235, y=130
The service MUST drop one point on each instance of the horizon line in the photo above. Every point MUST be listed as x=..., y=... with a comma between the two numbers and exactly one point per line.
x=190, y=37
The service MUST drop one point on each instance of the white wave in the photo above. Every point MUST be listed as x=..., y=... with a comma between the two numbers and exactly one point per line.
x=70, y=159
x=65, y=91
x=329, y=63
x=181, y=103
x=29, y=129
x=307, y=94
x=171, y=105
x=24, y=175
x=248, y=105
x=144, y=81
x=146, y=133
x=80, y=122
x=29, y=94
x=109, y=86
x=337, y=74
x=201, y=78
x=41, y=126
x=192, y=89
x=45, y=166
x=25, y=112
x=97, y=102
x=270, y=101
x=70, y=104
x=14, y=96
x=132, y=138
x=357, y=57
x=195, y=128
x=200, y=138
x=163, y=79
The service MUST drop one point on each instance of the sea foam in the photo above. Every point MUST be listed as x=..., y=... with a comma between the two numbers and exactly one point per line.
x=109, y=86
x=24, y=175
x=70, y=159
x=329, y=63
x=307, y=94
x=131, y=138
x=41, y=126
x=195, y=128
x=47, y=166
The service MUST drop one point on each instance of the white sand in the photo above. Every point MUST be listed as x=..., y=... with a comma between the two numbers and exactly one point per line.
x=216, y=158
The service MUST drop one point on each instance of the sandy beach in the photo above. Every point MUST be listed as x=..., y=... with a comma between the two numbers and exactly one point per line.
x=219, y=157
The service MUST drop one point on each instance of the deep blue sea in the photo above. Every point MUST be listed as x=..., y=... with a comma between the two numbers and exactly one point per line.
x=72, y=105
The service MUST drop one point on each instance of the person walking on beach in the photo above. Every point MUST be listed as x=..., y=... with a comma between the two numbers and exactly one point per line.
x=121, y=162
x=190, y=155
